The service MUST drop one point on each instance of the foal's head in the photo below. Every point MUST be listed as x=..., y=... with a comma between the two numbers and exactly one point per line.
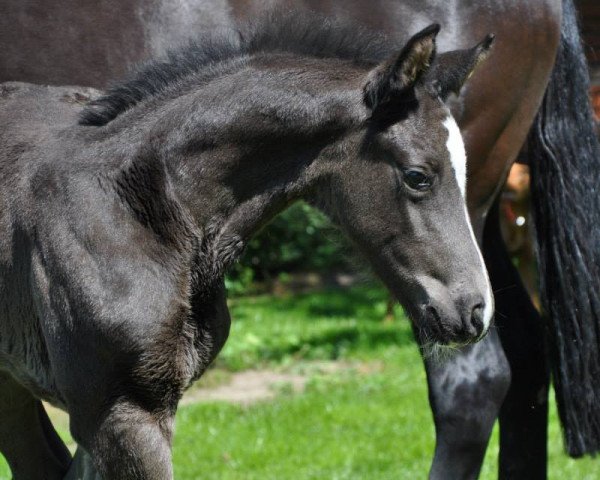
x=397, y=187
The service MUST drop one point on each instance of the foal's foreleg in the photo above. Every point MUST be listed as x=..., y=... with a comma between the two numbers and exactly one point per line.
x=465, y=394
x=82, y=467
x=27, y=438
x=126, y=442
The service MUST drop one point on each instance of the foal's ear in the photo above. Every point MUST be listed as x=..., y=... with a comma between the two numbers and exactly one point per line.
x=399, y=73
x=451, y=70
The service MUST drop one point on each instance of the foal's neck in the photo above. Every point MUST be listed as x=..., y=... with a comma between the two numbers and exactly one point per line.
x=235, y=154
x=232, y=190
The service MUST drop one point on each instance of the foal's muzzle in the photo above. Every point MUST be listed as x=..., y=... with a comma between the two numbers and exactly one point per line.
x=461, y=321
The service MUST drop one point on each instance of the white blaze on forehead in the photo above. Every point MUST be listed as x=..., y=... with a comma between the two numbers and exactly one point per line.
x=458, y=158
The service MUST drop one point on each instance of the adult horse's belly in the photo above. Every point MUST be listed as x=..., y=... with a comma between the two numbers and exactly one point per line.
x=74, y=42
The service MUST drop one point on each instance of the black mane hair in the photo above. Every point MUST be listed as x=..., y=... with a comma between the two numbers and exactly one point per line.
x=305, y=34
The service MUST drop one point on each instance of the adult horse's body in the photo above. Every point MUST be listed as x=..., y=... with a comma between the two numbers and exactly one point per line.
x=116, y=232
x=507, y=373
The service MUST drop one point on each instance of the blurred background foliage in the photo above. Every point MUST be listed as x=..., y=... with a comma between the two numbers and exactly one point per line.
x=301, y=239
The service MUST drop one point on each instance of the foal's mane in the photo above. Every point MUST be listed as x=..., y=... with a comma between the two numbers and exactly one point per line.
x=305, y=34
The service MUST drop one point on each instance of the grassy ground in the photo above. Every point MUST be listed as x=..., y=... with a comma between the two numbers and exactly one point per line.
x=370, y=421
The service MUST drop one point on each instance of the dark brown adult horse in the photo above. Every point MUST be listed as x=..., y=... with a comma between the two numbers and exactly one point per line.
x=536, y=77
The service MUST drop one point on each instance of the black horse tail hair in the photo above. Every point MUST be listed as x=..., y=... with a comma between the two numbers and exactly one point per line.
x=564, y=156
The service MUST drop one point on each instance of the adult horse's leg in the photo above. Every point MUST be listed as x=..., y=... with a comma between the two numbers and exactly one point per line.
x=465, y=393
x=524, y=414
x=468, y=390
x=27, y=438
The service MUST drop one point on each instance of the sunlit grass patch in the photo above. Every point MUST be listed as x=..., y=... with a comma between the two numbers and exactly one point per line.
x=368, y=420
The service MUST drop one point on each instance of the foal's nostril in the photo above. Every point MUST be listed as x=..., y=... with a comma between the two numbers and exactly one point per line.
x=433, y=320
x=432, y=313
x=477, y=319
x=445, y=324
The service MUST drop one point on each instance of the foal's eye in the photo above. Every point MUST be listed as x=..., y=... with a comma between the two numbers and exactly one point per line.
x=417, y=180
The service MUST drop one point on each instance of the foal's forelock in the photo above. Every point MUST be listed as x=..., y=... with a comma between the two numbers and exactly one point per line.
x=458, y=159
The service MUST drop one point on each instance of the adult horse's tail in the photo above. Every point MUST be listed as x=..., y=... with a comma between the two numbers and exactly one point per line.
x=565, y=164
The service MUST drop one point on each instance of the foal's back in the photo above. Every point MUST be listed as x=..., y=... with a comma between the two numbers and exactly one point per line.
x=28, y=107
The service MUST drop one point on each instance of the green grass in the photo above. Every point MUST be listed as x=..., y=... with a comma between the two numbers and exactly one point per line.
x=328, y=325
x=346, y=425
